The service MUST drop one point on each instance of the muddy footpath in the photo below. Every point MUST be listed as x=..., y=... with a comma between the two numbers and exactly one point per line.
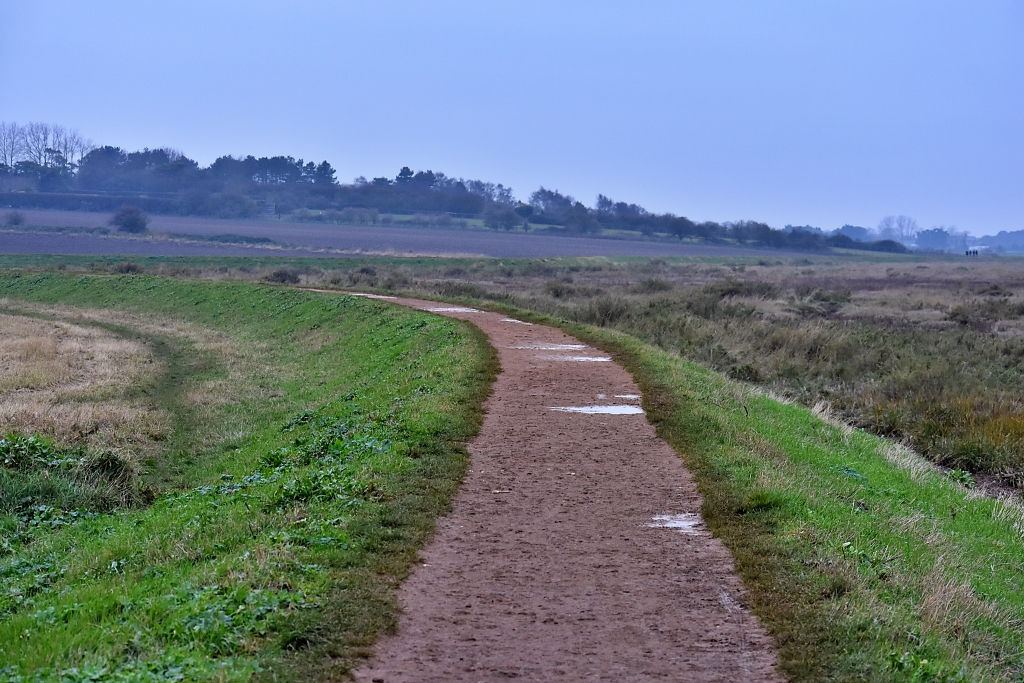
x=575, y=550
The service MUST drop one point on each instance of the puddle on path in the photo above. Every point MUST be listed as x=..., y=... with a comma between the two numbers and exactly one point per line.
x=513, y=320
x=577, y=359
x=452, y=309
x=368, y=296
x=628, y=396
x=551, y=347
x=602, y=410
x=686, y=522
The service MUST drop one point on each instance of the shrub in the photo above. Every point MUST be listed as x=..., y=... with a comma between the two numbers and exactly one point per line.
x=284, y=276
x=15, y=218
x=130, y=219
x=652, y=286
x=128, y=268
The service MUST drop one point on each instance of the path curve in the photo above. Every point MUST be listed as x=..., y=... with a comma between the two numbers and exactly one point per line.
x=575, y=549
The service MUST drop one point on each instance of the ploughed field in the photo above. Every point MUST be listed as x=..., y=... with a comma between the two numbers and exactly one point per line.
x=78, y=232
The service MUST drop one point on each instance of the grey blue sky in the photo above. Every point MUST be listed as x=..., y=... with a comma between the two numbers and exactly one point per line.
x=818, y=113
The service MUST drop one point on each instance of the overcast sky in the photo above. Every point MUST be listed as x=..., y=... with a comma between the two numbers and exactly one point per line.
x=819, y=113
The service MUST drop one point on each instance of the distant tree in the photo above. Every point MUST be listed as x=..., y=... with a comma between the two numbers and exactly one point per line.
x=898, y=228
x=102, y=169
x=624, y=210
x=906, y=229
x=604, y=204
x=552, y=202
x=887, y=228
x=324, y=175
x=69, y=145
x=130, y=219
x=14, y=218
x=523, y=210
x=855, y=233
x=681, y=227
x=424, y=179
x=501, y=218
x=10, y=143
x=936, y=239
x=35, y=140
x=496, y=193
x=578, y=220
x=404, y=175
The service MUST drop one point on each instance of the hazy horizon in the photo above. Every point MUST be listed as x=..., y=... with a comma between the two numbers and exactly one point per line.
x=809, y=114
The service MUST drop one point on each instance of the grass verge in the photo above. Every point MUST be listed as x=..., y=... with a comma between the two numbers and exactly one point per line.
x=306, y=499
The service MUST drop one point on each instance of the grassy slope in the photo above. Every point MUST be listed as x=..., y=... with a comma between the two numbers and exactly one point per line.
x=285, y=559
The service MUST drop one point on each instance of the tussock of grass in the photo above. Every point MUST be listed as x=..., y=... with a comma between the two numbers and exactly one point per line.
x=299, y=503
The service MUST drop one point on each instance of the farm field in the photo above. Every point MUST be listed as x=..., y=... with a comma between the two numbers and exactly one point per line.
x=230, y=479
x=285, y=238
x=863, y=560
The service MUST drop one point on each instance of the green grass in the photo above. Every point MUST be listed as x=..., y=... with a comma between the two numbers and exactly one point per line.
x=292, y=511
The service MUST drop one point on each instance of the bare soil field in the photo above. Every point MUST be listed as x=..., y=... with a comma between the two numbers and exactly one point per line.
x=312, y=239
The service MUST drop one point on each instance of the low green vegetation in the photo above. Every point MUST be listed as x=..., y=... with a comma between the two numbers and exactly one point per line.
x=310, y=454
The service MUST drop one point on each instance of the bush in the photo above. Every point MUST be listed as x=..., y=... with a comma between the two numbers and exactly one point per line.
x=130, y=219
x=15, y=218
x=284, y=276
x=652, y=286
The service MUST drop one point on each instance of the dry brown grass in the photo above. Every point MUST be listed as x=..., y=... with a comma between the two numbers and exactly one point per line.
x=246, y=375
x=74, y=382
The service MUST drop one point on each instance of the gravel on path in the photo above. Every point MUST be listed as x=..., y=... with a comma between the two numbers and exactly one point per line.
x=575, y=550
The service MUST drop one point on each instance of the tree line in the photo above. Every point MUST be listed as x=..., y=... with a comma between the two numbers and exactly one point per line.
x=49, y=166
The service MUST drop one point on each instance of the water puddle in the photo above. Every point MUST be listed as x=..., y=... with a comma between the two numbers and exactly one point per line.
x=367, y=296
x=452, y=309
x=551, y=347
x=599, y=410
x=577, y=359
x=513, y=320
x=686, y=523
x=341, y=291
x=632, y=396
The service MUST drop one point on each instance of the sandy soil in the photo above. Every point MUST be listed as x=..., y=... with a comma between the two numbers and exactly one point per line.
x=575, y=549
x=309, y=237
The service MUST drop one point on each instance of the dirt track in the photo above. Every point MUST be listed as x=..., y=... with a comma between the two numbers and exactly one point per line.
x=552, y=565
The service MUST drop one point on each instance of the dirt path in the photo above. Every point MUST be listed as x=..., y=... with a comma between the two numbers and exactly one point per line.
x=575, y=549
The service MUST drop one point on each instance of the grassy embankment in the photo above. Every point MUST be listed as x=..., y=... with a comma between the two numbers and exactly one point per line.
x=312, y=440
